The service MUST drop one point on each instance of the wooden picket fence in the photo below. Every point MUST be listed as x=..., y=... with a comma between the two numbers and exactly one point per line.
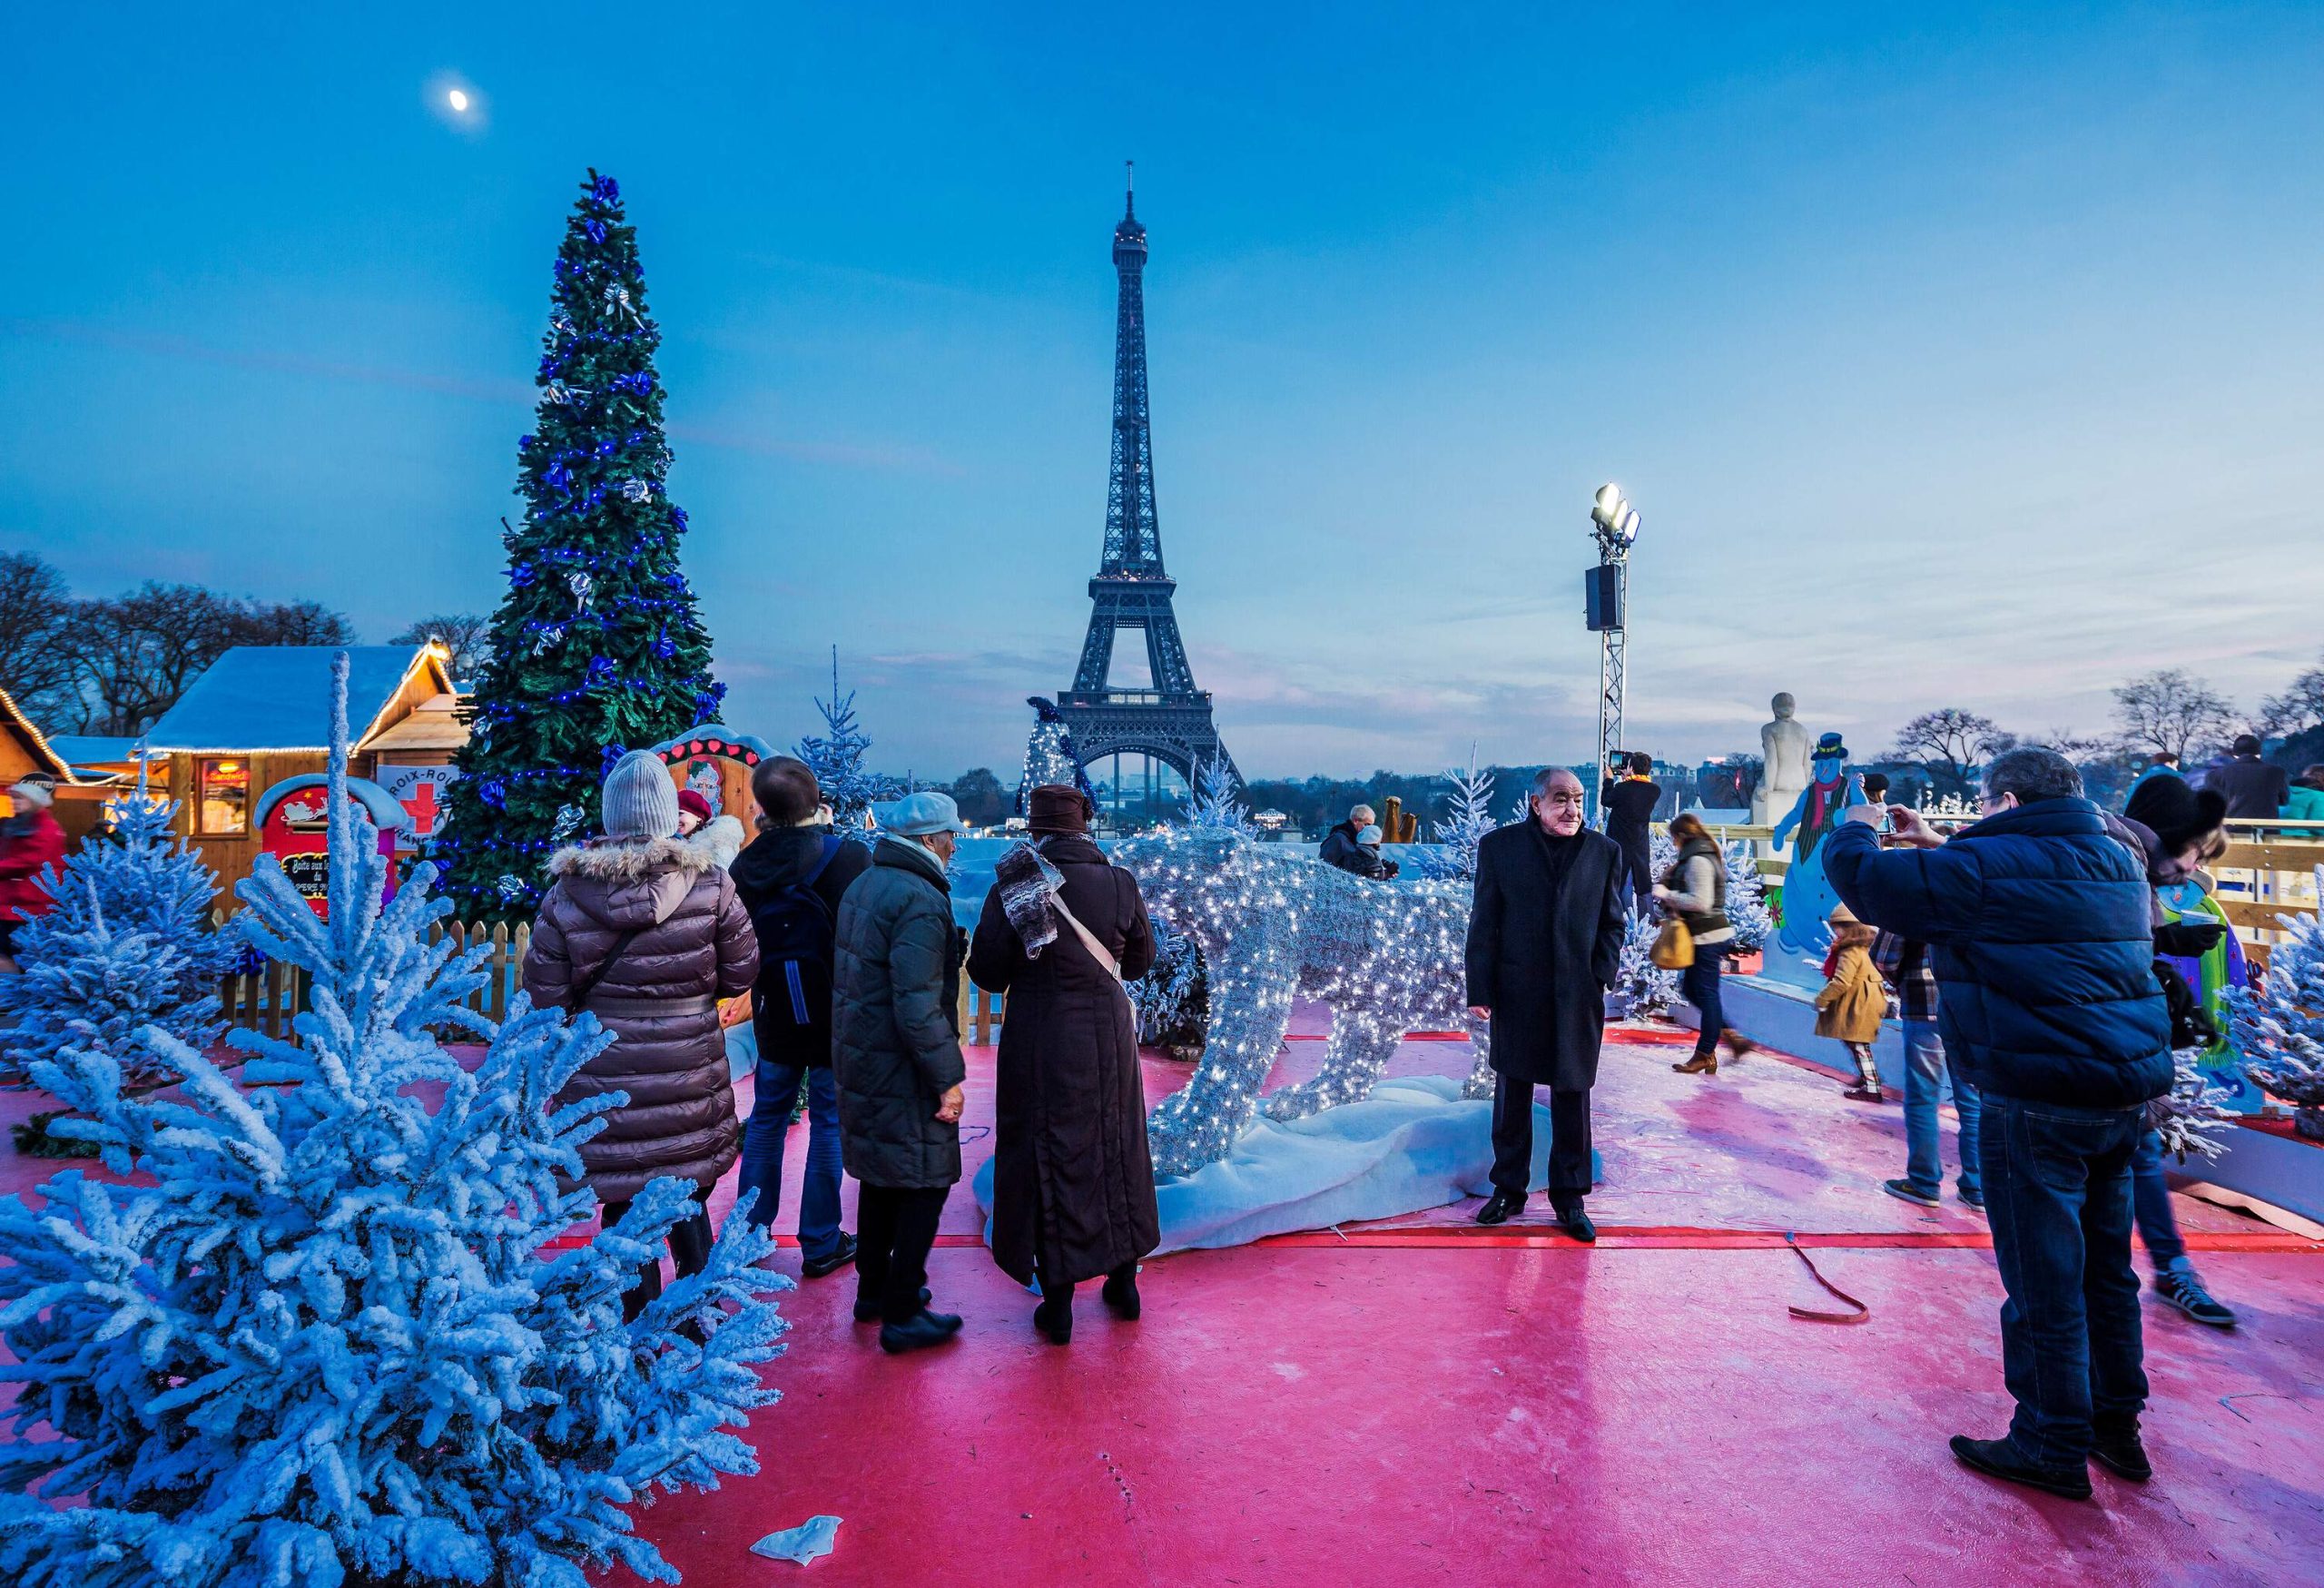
x=265, y=1000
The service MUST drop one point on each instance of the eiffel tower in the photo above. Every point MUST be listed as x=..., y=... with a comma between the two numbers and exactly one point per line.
x=1170, y=720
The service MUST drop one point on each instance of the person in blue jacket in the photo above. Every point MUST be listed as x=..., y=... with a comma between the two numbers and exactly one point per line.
x=2039, y=927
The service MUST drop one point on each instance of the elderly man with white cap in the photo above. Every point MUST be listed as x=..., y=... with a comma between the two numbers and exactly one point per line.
x=896, y=1056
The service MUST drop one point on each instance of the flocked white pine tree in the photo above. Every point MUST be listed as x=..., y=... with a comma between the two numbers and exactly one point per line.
x=2279, y=1026
x=126, y=946
x=326, y=1338
x=836, y=758
x=1468, y=817
x=1643, y=986
x=1216, y=804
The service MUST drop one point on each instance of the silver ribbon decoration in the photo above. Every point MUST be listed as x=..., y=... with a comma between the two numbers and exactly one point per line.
x=583, y=586
x=617, y=297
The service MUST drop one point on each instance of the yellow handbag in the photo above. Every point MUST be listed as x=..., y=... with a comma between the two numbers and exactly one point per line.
x=1674, y=946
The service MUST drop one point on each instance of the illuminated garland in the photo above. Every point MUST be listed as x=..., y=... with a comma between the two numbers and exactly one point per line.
x=1386, y=959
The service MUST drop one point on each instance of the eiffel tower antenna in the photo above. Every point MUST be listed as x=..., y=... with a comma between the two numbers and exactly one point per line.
x=1170, y=720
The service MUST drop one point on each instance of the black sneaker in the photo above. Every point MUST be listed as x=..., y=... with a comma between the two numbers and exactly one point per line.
x=2119, y=1451
x=1905, y=1191
x=925, y=1328
x=835, y=1262
x=2183, y=1290
x=1971, y=1198
x=1998, y=1458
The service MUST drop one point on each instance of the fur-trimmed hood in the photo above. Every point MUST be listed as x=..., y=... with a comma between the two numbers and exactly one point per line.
x=631, y=882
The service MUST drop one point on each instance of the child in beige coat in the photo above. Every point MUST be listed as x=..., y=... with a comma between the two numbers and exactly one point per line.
x=1854, y=1001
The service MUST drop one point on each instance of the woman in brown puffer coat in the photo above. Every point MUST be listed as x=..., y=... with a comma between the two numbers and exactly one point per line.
x=645, y=930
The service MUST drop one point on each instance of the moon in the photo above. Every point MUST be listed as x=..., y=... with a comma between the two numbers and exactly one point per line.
x=458, y=100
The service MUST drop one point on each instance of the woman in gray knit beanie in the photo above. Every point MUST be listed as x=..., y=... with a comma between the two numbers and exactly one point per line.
x=643, y=930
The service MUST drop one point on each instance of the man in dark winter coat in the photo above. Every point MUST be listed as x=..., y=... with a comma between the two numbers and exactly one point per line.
x=896, y=1056
x=792, y=878
x=2254, y=789
x=1545, y=943
x=1344, y=847
x=1072, y=1182
x=1629, y=802
x=2039, y=927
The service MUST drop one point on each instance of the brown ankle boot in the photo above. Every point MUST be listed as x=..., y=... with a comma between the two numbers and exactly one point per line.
x=1701, y=1064
x=1738, y=1043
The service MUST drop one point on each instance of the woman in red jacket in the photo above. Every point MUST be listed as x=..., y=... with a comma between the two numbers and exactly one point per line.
x=30, y=842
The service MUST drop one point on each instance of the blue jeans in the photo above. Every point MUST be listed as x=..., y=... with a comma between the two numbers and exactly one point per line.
x=1924, y=1083
x=2058, y=1197
x=778, y=1089
x=2151, y=1202
x=1698, y=985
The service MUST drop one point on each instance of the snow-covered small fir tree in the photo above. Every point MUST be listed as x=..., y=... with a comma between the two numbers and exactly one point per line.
x=126, y=946
x=2279, y=1025
x=1171, y=1000
x=1468, y=817
x=2189, y=1116
x=836, y=758
x=1644, y=986
x=1216, y=804
x=325, y=1338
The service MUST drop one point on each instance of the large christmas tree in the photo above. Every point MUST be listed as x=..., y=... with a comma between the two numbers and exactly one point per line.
x=597, y=649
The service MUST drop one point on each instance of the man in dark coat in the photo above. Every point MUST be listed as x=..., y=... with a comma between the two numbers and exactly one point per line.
x=2254, y=789
x=1545, y=943
x=1344, y=847
x=792, y=878
x=1629, y=802
x=1072, y=1181
x=896, y=1056
x=2040, y=932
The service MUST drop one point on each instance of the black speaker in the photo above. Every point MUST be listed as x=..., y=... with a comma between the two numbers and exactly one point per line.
x=1602, y=596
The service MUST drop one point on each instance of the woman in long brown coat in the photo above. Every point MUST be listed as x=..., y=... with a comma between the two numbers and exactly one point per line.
x=643, y=930
x=1073, y=1183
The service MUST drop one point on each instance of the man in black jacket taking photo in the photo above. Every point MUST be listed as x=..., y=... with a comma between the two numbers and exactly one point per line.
x=790, y=879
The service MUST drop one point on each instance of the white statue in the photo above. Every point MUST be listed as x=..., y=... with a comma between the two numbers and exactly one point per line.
x=1784, y=746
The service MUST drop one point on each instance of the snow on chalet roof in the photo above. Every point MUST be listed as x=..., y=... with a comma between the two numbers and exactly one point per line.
x=278, y=697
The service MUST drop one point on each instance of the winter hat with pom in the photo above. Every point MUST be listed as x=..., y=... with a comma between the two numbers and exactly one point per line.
x=2175, y=811
x=640, y=800
x=36, y=789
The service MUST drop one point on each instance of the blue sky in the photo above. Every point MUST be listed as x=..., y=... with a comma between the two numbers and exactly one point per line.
x=1953, y=355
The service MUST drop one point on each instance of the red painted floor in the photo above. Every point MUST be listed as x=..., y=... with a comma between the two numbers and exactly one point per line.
x=1422, y=1402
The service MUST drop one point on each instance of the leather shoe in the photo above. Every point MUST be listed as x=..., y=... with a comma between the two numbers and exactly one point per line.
x=835, y=1262
x=924, y=1328
x=869, y=1311
x=1121, y=1295
x=2120, y=1452
x=1701, y=1064
x=1576, y=1223
x=1499, y=1206
x=1998, y=1458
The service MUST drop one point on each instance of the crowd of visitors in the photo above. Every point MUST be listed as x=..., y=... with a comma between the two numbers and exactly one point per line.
x=2019, y=955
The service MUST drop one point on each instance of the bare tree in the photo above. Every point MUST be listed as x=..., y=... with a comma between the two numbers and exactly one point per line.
x=2298, y=708
x=291, y=623
x=2168, y=714
x=35, y=623
x=134, y=655
x=1950, y=744
x=466, y=635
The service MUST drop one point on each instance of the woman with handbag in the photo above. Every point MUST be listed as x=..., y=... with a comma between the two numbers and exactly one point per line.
x=1693, y=894
x=1072, y=1181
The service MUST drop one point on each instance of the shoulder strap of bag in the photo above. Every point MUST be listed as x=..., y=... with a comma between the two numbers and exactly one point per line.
x=1089, y=939
x=587, y=985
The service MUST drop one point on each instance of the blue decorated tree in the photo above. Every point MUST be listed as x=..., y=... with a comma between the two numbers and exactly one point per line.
x=127, y=946
x=331, y=1334
x=836, y=758
x=597, y=645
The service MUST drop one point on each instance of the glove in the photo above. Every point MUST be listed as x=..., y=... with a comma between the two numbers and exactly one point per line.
x=2188, y=940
